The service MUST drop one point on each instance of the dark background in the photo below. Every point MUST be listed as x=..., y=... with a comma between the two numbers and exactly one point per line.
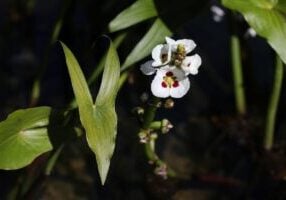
x=217, y=154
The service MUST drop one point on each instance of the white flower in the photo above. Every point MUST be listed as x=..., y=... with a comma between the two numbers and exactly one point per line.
x=218, y=13
x=188, y=45
x=191, y=64
x=161, y=55
x=179, y=58
x=172, y=67
x=170, y=81
x=250, y=33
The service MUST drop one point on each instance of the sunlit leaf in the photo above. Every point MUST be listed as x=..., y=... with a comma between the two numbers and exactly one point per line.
x=100, y=66
x=99, y=119
x=137, y=12
x=23, y=137
x=154, y=36
x=105, y=118
x=267, y=18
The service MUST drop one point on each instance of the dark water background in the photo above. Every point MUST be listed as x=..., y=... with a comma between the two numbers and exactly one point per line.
x=217, y=154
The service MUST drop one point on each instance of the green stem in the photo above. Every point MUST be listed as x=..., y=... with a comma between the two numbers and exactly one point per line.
x=52, y=160
x=273, y=104
x=122, y=80
x=152, y=156
x=148, y=118
x=237, y=75
x=150, y=113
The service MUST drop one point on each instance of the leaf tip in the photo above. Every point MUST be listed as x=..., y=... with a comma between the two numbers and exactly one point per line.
x=103, y=168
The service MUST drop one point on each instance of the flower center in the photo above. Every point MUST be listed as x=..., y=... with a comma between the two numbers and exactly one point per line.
x=179, y=55
x=169, y=80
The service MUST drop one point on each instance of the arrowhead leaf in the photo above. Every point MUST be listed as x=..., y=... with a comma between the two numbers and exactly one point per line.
x=267, y=18
x=23, y=137
x=99, y=119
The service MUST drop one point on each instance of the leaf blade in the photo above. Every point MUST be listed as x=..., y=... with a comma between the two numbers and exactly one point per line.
x=267, y=18
x=155, y=35
x=139, y=11
x=105, y=110
x=24, y=136
x=99, y=120
x=79, y=84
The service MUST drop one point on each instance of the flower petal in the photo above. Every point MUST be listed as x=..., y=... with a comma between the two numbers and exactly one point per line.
x=147, y=68
x=191, y=64
x=178, y=73
x=161, y=55
x=170, y=40
x=182, y=89
x=189, y=44
x=156, y=86
x=156, y=52
x=183, y=83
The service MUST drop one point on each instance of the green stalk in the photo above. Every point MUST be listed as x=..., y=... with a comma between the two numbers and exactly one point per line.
x=273, y=104
x=52, y=160
x=122, y=79
x=237, y=75
x=149, y=117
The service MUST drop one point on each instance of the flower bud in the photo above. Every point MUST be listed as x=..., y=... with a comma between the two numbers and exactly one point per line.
x=144, y=97
x=144, y=137
x=166, y=126
x=161, y=170
x=138, y=110
x=169, y=103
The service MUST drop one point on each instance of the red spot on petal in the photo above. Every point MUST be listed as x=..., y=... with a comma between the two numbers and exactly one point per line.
x=175, y=84
x=169, y=74
x=164, y=85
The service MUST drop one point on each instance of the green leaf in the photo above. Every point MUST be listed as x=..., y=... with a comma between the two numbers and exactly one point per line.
x=99, y=119
x=97, y=71
x=154, y=36
x=100, y=66
x=139, y=11
x=267, y=18
x=23, y=137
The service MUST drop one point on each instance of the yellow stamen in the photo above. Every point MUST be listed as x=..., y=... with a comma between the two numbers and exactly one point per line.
x=169, y=80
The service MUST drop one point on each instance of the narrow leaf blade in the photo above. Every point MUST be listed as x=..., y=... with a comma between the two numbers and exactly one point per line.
x=139, y=11
x=154, y=36
x=79, y=84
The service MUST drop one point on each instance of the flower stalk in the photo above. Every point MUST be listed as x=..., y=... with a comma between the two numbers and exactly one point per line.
x=273, y=105
x=149, y=115
x=171, y=66
x=237, y=75
x=148, y=118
